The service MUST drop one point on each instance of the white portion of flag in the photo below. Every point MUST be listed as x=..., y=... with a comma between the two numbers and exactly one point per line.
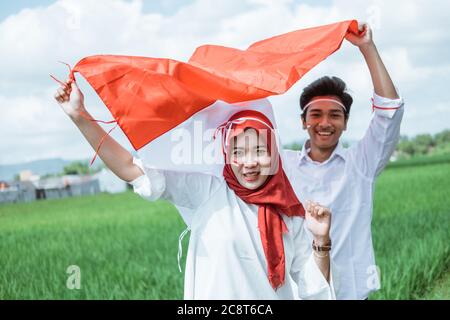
x=190, y=147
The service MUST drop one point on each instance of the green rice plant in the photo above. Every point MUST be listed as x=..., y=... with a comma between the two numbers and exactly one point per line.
x=126, y=247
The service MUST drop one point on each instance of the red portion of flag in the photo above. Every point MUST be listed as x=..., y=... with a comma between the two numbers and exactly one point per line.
x=150, y=96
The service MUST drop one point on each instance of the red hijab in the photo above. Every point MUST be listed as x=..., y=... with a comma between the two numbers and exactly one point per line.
x=274, y=197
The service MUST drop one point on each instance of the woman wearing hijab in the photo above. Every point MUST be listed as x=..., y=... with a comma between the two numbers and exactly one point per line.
x=248, y=239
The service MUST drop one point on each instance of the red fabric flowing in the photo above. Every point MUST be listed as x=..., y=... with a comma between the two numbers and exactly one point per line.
x=150, y=96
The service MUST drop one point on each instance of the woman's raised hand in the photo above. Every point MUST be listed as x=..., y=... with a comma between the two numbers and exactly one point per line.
x=318, y=221
x=70, y=98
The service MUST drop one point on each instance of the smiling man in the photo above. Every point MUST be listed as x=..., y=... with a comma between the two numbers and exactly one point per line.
x=344, y=179
x=326, y=107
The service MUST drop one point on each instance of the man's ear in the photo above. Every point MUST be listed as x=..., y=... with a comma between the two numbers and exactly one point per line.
x=303, y=123
x=345, y=124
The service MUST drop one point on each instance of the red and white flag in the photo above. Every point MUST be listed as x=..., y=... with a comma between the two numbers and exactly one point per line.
x=150, y=97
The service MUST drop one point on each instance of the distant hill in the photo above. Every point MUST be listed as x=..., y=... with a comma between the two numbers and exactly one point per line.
x=46, y=166
x=40, y=167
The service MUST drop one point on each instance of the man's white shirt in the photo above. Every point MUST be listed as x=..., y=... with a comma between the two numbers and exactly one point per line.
x=345, y=183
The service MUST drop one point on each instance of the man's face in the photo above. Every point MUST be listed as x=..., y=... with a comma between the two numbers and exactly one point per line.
x=325, y=122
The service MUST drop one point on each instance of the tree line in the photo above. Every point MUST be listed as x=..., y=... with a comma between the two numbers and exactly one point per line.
x=408, y=147
x=424, y=144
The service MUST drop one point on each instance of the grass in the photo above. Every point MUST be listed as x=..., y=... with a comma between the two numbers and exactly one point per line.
x=441, y=290
x=411, y=229
x=420, y=161
x=126, y=247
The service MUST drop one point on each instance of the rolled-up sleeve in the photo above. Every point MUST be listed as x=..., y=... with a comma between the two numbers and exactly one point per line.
x=310, y=281
x=184, y=189
x=151, y=184
x=385, y=107
x=373, y=151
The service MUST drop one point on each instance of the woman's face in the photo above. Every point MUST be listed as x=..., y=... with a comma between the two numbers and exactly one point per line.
x=250, y=159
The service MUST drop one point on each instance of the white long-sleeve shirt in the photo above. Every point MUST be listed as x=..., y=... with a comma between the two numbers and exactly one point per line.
x=345, y=183
x=225, y=258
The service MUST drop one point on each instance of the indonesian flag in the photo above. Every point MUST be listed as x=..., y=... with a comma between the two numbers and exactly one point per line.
x=169, y=109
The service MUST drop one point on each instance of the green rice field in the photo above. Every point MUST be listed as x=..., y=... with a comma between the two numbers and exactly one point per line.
x=126, y=247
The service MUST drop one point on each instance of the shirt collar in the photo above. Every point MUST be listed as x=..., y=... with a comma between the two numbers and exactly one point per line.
x=338, y=151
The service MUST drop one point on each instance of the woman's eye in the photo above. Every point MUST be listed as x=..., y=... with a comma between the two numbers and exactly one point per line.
x=261, y=152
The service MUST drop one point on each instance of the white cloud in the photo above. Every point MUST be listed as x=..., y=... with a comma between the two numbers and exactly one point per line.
x=411, y=35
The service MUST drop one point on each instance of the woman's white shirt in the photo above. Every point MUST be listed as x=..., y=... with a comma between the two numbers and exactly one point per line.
x=225, y=258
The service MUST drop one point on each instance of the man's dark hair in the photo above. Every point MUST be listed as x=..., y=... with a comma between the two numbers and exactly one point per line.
x=326, y=86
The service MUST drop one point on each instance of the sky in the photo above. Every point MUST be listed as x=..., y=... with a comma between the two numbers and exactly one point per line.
x=411, y=36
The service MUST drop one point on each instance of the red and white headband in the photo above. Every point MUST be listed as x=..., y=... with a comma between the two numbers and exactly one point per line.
x=225, y=129
x=325, y=99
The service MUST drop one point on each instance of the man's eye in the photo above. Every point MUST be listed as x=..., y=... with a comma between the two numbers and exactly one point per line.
x=314, y=115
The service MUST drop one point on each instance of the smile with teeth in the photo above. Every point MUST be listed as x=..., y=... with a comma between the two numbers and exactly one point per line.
x=324, y=133
x=250, y=176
